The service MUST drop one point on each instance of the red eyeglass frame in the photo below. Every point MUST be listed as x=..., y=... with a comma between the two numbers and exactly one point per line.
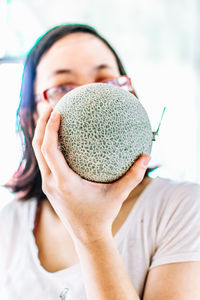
x=130, y=86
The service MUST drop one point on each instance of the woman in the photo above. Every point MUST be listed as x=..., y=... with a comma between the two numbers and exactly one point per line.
x=136, y=238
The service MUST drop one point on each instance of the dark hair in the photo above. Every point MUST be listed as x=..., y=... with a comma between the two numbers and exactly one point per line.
x=26, y=182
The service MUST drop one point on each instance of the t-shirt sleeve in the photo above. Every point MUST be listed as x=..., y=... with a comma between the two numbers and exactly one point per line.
x=178, y=227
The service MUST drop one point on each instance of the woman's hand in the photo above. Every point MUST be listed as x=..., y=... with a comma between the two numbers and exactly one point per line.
x=87, y=209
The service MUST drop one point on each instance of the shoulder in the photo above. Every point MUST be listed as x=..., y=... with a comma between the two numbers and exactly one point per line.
x=177, y=221
x=173, y=203
x=164, y=201
x=15, y=210
x=15, y=219
x=172, y=186
x=169, y=195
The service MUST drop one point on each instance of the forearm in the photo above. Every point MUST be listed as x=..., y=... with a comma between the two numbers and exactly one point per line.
x=104, y=273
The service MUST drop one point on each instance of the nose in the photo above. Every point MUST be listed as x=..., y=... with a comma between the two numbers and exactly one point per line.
x=85, y=77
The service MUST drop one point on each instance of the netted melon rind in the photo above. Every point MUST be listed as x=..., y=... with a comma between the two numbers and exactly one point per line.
x=103, y=130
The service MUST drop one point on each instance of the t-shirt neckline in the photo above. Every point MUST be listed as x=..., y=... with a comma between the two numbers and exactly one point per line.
x=122, y=232
x=119, y=236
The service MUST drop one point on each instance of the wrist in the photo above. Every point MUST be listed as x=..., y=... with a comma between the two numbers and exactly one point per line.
x=91, y=241
x=89, y=234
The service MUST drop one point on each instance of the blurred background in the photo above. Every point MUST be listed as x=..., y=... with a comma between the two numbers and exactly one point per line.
x=158, y=42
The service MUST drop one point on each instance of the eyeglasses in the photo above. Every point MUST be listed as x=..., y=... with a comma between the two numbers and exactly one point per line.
x=54, y=94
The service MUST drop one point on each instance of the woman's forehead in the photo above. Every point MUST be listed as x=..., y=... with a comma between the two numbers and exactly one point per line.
x=76, y=51
x=77, y=43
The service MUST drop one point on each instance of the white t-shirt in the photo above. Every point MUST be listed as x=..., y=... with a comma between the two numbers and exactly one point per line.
x=163, y=227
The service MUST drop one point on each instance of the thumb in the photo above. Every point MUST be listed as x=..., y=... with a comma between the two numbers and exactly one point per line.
x=133, y=176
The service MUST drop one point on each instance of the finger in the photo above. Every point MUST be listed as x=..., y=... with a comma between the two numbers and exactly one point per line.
x=38, y=141
x=134, y=175
x=54, y=157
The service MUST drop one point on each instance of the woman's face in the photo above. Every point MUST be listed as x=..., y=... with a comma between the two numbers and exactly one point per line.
x=76, y=59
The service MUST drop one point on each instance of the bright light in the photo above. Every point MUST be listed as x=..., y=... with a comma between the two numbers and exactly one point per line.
x=10, y=76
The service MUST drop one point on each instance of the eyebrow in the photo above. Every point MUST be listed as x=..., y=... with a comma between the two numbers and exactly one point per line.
x=102, y=66
x=68, y=71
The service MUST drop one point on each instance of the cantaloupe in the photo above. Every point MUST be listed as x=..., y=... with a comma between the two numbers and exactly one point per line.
x=103, y=130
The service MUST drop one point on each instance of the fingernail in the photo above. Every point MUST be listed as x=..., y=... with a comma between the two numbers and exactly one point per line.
x=146, y=161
